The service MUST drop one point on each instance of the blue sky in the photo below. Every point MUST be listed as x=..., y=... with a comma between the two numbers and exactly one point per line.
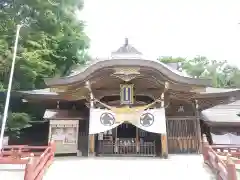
x=165, y=27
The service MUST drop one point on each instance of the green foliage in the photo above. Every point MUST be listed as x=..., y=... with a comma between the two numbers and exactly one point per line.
x=170, y=59
x=51, y=42
x=195, y=67
x=17, y=122
x=221, y=73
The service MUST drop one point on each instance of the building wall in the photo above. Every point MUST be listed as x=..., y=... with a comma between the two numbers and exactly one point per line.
x=183, y=129
x=182, y=126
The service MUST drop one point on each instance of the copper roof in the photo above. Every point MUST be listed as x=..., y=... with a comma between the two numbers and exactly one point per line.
x=110, y=63
x=129, y=56
x=227, y=113
x=62, y=114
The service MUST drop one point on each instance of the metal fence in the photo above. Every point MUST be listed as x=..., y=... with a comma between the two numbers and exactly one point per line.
x=123, y=149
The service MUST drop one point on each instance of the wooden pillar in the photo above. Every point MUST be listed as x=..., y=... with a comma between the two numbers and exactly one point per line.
x=164, y=136
x=198, y=127
x=164, y=146
x=91, y=137
x=91, y=145
x=137, y=140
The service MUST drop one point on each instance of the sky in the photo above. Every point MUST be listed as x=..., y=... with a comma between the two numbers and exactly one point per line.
x=183, y=28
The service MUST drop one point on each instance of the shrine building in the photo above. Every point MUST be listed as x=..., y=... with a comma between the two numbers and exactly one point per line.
x=127, y=105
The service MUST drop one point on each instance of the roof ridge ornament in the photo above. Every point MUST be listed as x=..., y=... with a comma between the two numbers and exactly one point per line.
x=126, y=42
x=126, y=50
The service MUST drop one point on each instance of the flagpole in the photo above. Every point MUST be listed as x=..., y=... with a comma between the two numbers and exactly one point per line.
x=5, y=113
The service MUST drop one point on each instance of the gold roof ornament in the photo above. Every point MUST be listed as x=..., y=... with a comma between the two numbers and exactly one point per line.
x=59, y=89
x=126, y=74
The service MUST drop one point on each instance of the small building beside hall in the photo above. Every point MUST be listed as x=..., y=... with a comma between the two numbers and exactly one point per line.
x=223, y=123
x=127, y=105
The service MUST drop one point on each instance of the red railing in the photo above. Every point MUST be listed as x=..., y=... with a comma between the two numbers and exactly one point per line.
x=222, y=159
x=36, y=158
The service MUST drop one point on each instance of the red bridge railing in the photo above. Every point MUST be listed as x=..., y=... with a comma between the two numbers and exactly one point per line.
x=36, y=158
x=222, y=159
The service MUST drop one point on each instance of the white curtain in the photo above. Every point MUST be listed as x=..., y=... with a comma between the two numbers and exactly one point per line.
x=152, y=120
x=101, y=120
x=155, y=121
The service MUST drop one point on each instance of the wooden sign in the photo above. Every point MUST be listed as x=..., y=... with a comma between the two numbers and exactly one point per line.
x=126, y=94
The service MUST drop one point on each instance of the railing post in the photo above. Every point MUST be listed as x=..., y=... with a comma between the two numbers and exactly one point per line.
x=215, y=165
x=52, y=151
x=231, y=169
x=205, y=148
x=52, y=145
x=29, y=169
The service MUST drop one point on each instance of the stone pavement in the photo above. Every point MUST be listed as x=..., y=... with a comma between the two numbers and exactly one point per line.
x=177, y=167
x=11, y=172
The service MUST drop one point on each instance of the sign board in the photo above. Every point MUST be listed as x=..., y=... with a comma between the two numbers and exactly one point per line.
x=126, y=94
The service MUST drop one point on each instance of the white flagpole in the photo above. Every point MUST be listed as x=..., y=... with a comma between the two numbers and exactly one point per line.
x=5, y=113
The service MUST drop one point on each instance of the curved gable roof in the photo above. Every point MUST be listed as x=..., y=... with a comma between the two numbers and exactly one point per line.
x=127, y=55
x=173, y=75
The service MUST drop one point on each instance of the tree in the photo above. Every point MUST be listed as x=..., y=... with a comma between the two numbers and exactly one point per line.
x=50, y=43
x=170, y=59
x=15, y=123
x=195, y=67
x=221, y=73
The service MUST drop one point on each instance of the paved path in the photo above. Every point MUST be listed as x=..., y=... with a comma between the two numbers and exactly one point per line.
x=177, y=167
x=11, y=172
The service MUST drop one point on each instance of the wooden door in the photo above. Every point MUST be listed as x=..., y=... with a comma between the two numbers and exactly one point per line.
x=182, y=135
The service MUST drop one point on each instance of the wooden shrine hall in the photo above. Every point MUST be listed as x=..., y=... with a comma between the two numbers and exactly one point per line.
x=127, y=105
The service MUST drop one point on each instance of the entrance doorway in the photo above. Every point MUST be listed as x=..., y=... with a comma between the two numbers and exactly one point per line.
x=127, y=140
x=126, y=130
